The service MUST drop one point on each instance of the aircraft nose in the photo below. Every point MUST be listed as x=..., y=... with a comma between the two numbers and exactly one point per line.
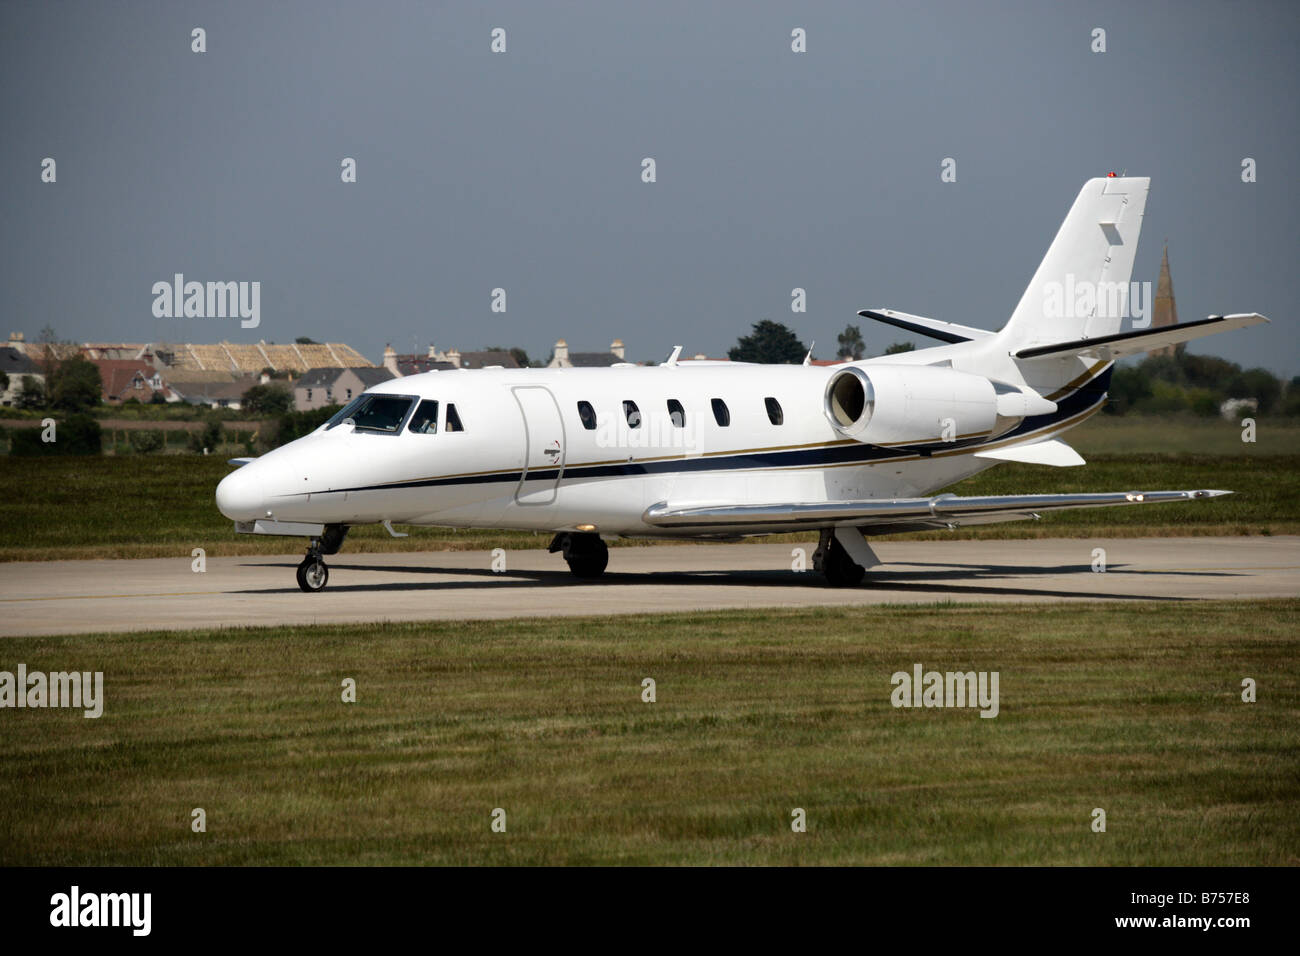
x=240, y=496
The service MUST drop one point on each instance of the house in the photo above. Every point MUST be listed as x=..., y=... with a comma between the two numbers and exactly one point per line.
x=563, y=358
x=122, y=379
x=319, y=387
x=16, y=366
x=437, y=360
x=213, y=389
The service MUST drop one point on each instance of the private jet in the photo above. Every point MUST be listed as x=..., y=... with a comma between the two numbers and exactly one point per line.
x=725, y=450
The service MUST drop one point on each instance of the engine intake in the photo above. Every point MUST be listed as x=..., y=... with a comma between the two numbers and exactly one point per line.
x=924, y=404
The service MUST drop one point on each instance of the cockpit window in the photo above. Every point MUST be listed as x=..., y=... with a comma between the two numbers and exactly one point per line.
x=375, y=412
x=453, y=419
x=425, y=419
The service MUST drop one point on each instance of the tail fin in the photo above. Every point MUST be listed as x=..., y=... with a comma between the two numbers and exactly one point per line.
x=1081, y=289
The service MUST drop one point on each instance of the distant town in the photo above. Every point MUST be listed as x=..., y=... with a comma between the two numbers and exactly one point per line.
x=150, y=397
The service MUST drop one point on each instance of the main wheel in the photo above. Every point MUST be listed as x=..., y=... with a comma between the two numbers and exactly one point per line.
x=312, y=574
x=587, y=554
x=839, y=568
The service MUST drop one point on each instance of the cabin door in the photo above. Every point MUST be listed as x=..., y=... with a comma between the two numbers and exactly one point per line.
x=543, y=445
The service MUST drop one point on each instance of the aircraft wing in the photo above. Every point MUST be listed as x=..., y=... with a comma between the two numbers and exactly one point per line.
x=891, y=515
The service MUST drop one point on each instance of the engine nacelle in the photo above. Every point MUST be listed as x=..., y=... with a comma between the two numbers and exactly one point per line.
x=924, y=404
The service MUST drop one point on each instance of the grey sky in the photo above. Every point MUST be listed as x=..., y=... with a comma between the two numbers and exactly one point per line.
x=522, y=170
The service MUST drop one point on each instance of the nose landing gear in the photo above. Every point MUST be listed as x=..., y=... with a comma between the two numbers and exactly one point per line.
x=313, y=575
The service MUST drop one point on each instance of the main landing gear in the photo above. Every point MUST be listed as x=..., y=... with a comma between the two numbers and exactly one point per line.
x=587, y=554
x=832, y=560
x=313, y=575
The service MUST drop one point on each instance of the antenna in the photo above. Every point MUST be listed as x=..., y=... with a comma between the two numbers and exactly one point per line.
x=672, y=359
x=807, y=359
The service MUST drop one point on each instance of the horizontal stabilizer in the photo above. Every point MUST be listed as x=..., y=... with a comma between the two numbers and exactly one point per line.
x=1110, y=347
x=889, y=515
x=943, y=331
x=1050, y=452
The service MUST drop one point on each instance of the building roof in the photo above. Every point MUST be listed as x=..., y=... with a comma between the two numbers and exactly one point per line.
x=593, y=359
x=370, y=375
x=415, y=364
x=486, y=358
x=326, y=377
x=114, y=350
x=14, y=362
x=36, y=351
x=118, y=376
x=236, y=357
x=195, y=391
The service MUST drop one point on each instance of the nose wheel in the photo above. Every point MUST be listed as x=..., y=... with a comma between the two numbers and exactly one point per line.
x=313, y=575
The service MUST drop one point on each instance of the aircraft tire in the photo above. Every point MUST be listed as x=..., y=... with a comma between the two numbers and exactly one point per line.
x=588, y=556
x=840, y=569
x=313, y=575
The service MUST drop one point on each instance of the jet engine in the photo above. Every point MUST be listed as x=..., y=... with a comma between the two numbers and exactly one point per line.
x=925, y=404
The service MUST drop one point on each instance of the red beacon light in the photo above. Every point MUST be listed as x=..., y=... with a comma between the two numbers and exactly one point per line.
x=1110, y=175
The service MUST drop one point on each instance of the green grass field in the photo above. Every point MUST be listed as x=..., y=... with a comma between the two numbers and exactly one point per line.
x=1135, y=709
x=161, y=506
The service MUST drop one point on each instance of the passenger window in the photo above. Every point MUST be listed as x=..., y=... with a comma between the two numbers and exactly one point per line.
x=425, y=419
x=632, y=414
x=721, y=414
x=588, y=416
x=676, y=413
x=774, y=413
x=453, y=420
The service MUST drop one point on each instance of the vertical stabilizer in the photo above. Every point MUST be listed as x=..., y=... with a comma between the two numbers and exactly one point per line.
x=1082, y=286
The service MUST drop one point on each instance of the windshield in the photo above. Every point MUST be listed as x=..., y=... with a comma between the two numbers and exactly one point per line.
x=378, y=413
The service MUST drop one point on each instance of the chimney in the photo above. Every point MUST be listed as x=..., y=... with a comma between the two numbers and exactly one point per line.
x=617, y=348
x=561, y=353
x=390, y=361
x=454, y=357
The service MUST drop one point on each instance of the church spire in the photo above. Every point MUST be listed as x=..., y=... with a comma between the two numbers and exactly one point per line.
x=1164, y=309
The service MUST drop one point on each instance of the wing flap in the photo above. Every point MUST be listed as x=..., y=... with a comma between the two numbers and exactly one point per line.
x=941, y=511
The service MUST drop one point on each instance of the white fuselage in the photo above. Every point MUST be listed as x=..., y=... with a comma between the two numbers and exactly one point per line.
x=526, y=459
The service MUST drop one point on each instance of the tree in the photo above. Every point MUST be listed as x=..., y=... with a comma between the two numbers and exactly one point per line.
x=267, y=400
x=76, y=385
x=4, y=382
x=851, y=345
x=899, y=347
x=209, y=438
x=771, y=343
x=146, y=442
x=1259, y=384
x=1128, y=387
x=77, y=435
x=304, y=340
x=31, y=394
